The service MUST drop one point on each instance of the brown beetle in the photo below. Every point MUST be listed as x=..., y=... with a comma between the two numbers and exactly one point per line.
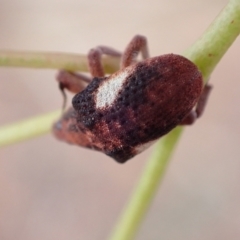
x=124, y=113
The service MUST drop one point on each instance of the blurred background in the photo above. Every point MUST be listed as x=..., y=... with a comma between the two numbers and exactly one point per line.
x=50, y=190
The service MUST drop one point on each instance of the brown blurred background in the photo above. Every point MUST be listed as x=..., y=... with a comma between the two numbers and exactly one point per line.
x=49, y=190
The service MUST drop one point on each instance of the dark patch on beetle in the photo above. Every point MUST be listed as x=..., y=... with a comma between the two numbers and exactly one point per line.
x=154, y=99
x=121, y=154
x=84, y=104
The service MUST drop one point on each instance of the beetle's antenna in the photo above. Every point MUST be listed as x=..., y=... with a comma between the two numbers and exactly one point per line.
x=62, y=89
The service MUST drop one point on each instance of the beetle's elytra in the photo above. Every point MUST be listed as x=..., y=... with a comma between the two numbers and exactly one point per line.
x=124, y=113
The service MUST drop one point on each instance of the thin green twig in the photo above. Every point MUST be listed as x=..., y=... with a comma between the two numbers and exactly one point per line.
x=67, y=61
x=209, y=49
x=147, y=186
x=32, y=127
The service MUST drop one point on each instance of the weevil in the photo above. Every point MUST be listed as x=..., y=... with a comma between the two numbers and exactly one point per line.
x=124, y=113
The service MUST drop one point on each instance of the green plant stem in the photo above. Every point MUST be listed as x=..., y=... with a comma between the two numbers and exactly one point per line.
x=67, y=61
x=205, y=53
x=27, y=129
x=208, y=50
x=147, y=186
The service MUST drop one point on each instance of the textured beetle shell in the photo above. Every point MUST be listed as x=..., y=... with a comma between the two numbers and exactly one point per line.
x=148, y=99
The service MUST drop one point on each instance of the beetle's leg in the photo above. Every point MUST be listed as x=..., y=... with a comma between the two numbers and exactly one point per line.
x=138, y=44
x=95, y=59
x=194, y=114
x=75, y=83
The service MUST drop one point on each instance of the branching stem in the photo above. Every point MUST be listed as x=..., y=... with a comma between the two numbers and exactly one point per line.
x=205, y=53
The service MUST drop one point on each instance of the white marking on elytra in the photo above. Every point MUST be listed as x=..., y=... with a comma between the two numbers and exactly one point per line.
x=109, y=90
